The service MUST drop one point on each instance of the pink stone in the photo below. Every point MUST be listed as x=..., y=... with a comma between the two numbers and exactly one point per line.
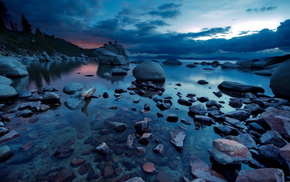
x=149, y=167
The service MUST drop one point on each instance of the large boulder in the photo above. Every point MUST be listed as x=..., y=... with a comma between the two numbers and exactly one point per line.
x=11, y=67
x=246, y=64
x=265, y=175
x=113, y=54
x=230, y=65
x=239, y=87
x=280, y=81
x=5, y=81
x=7, y=92
x=149, y=70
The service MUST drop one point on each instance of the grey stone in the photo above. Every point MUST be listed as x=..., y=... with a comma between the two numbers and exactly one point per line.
x=5, y=81
x=7, y=92
x=5, y=153
x=149, y=70
x=11, y=67
x=113, y=54
x=73, y=87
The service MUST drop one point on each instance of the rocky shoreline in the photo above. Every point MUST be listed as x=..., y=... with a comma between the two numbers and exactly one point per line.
x=254, y=133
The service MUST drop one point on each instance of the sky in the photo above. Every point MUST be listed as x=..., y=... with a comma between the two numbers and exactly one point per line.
x=187, y=28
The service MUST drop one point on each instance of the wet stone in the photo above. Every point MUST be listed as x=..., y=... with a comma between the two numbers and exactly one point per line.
x=5, y=153
x=85, y=168
x=273, y=137
x=8, y=136
x=172, y=118
x=235, y=103
x=103, y=148
x=202, y=82
x=142, y=127
x=184, y=102
x=130, y=141
x=202, y=99
x=204, y=120
x=24, y=113
x=159, y=115
x=105, y=95
x=159, y=149
x=65, y=175
x=147, y=107
x=108, y=172
x=218, y=94
x=137, y=100
x=3, y=131
x=77, y=162
x=149, y=167
x=197, y=109
x=63, y=152
x=163, y=106
x=145, y=139
x=185, y=121
x=177, y=139
x=117, y=126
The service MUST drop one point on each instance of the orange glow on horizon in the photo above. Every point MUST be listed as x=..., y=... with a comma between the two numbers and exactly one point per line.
x=87, y=45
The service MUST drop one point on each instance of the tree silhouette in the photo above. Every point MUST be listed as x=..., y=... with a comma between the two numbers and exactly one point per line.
x=26, y=27
x=3, y=15
x=38, y=32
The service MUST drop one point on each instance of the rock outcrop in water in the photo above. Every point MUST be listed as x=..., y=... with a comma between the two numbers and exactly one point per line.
x=11, y=67
x=112, y=54
x=280, y=81
x=149, y=71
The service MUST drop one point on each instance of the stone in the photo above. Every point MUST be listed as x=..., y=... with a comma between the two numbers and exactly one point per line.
x=112, y=54
x=145, y=139
x=273, y=137
x=74, y=103
x=118, y=72
x=280, y=81
x=197, y=109
x=130, y=141
x=230, y=152
x=184, y=102
x=77, y=162
x=135, y=179
x=73, y=87
x=202, y=99
x=3, y=131
x=270, y=61
x=65, y=175
x=267, y=72
x=63, y=152
x=185, y=121
x=117, y=126
x=239, y=114
x=149, y=70
x=201, y=170
x=137, y=100
x=103, y=148
x=190, y=65
x=163, y=106
x=225, y=130
x=9, y=136
x=7, y=92
x=177, y=138
x=202, y=82
x=11, y=67
x=172, y=118
x=245, y=139
x=85, y=168
x=235, y=103
x=164, y=176
x=285, y=154
x=24, y=94
x=140, y=150
x=204, y=120
x=149, y=167
x=5, y=153
x=51, y=98
x=142, y=127
x=212, y=103
x=265, y=175
x=230, y=65
x=254, y=108
x=88, y=93
x=159, y=149
x=246, y=64
x=6, y=81
x=239, y=87
x=108, y=172
x=172, y=62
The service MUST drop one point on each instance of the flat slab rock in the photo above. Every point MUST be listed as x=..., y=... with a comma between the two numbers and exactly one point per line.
x=239, y=87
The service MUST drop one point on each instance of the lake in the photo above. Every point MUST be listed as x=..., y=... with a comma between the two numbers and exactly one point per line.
x=83, y=129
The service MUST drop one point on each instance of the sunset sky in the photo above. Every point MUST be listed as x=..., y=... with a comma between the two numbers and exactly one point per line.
x=244, y=28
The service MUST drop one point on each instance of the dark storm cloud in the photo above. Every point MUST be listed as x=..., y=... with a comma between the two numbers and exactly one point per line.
x=55, y=16
x=169, y=10
x=270, y=8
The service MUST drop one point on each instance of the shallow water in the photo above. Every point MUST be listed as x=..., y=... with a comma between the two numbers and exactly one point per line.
x=87, y=127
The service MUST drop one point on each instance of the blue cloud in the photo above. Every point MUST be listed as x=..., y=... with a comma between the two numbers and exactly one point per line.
x=263, y=9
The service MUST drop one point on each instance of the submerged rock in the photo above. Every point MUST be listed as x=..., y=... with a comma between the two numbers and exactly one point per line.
x=117, y=126
x=103, y=148
x=149, y=70
x=51, y=98
x=5, y=153
x=135, y=179
x=177, y=139
x=5, y=81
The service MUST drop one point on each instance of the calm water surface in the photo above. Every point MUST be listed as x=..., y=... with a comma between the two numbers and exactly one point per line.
x=87, y=127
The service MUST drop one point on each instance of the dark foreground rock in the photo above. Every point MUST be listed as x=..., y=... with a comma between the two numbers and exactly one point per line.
x=5, y=153
x=177, y=139
x=280, y=81
x=172, y=62
x=265, y=175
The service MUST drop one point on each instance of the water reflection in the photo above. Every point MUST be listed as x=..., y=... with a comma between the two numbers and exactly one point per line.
x=108, y=69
